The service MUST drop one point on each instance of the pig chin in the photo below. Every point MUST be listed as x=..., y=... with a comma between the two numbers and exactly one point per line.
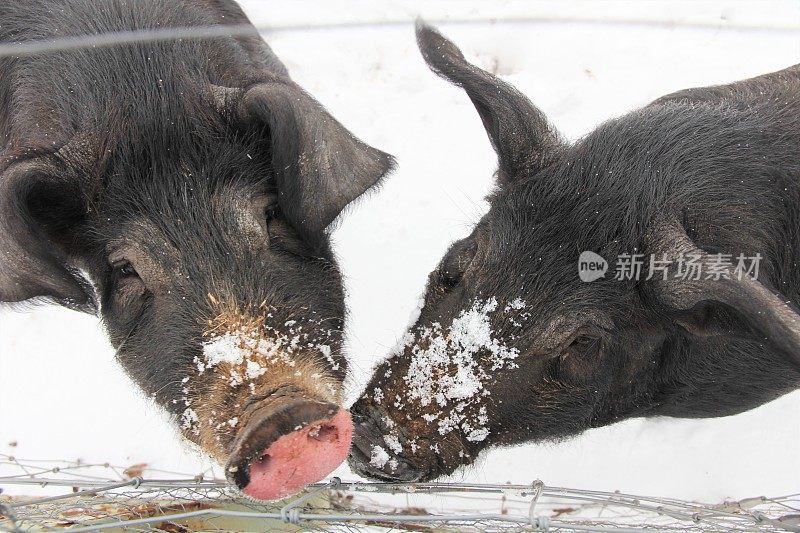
x=262, y=404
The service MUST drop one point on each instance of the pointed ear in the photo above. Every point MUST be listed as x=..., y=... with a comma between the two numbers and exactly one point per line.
x=320, y=167
x=524, y=141
x=38, y=212
x=770, y=315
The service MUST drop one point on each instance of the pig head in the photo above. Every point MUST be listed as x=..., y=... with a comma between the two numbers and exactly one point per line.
x=182, y=192
x=512, y=346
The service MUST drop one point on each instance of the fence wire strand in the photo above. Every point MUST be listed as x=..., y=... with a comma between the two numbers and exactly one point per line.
x=104, y=497
x=80, y=42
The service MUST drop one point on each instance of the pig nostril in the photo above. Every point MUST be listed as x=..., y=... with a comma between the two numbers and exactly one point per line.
x=324, y=433
x=263, y=459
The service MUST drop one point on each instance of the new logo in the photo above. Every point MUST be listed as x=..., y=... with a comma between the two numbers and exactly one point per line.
x=591, y=266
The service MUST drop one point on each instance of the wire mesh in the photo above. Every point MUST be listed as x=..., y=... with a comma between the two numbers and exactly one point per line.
x=79, y=496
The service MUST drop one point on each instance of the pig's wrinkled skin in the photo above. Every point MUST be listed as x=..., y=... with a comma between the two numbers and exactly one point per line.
x=181, y=191
x=511, y=346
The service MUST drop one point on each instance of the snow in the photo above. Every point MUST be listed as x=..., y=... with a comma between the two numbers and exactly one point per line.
x=254, y=370
x=379, y=457
x=393, y=443
x=449, y=367
x=57, y=372
x=189, y=419
x=227, y=348
x=244, y=352
x=515, y=305
x=326, y=353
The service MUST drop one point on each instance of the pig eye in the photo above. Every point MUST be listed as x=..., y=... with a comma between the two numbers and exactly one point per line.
x=455, y=264
x=272, y=211
x=448, y=277
x=584, y=343
x=124, y=269
x=577, y=360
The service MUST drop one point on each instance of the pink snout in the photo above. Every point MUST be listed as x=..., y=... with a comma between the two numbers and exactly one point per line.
x=286, y=446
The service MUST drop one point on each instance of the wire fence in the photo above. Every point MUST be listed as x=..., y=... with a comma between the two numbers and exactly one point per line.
x=61, y=44
x=79, y=496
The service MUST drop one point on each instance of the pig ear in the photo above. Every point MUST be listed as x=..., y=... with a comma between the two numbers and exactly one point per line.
x=524, y=141
x=37, y=211
x=320, y=167
x=770, y=315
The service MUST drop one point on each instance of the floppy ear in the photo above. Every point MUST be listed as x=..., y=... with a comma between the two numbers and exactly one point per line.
x=771, y=316
x=320, y=167
x=524, y=141
x=37, y=213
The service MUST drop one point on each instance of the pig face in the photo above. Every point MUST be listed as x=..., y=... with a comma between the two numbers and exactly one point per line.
x=511, y=346
x=194, y=225
x=506, y=345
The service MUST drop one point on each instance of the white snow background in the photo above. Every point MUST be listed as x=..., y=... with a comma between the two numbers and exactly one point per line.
x=62, y=395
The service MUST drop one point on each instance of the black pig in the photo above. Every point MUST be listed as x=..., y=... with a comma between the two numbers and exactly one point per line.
x=513, y=346
x=181, y=191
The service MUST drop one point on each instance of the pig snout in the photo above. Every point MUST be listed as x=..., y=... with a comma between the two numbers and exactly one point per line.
x=370, y=456
x=382, y=451
x=287, y=445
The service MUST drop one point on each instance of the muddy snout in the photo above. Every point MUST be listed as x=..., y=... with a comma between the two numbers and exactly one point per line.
x=288, y=444
x=381, y=452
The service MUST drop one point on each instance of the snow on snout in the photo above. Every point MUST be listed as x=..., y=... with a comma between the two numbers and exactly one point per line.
x=450, y=366
x=243, y=352
x=235, y=348
x=254, y=351
x=226, y=348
